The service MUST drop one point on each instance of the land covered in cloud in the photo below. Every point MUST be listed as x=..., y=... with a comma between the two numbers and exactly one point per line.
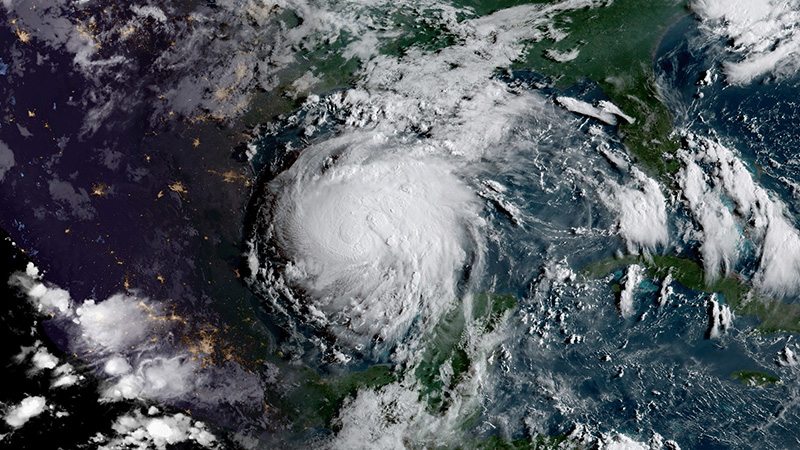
x=380, y=232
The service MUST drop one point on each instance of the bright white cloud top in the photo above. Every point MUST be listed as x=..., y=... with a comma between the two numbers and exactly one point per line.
x=29, y=408
x=759, y=215
x=763, y=34
x=373, y=239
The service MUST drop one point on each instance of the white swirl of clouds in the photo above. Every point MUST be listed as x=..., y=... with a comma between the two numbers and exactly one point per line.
x=373, y=235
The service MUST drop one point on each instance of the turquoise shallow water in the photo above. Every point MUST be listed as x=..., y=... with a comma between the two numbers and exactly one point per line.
x=661, y=373
x=567, y=357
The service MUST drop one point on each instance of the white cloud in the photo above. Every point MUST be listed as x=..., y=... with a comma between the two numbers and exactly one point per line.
x=140, y=431
x=65, y=376
x=666, y=291
x=6, y=159
x=641, y=211
x=764, y=35
x=303, y=84
x=30, y=407
x=43, y=359
x=123, y=337
x=562, y=57
x=153, y=12
x=375, y=242
x=46, y=299
x=126, y=388
x=720, y=318
x=631, y=282
x=118, y=323
x=605, y=111
x=788, y=357
x=117, y=366
x=720, y=234
x=621, y=442
x=763, y=217
x=167, y=377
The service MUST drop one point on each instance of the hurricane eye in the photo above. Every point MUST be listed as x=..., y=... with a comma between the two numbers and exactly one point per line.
x=380, y=236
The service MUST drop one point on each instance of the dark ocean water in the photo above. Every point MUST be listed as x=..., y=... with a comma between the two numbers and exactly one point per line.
x=759, y=120
x=658, y=372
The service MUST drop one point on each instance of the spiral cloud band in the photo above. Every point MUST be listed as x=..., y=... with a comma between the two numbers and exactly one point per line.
x=369, y=237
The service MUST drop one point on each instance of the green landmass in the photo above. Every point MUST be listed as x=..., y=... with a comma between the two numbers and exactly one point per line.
x=617, y=45
x=445, y=345
x=776, y=316
x=314, y=401
x=755, y=378
x=616, y=42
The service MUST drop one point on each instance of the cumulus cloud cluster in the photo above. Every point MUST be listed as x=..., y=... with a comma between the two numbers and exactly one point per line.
x=755, y=215
x=120, y=334
x=720, y=318
x=438, y=93
x=139, y=352
x=29, y=408
x=641, y=211
x=764, y=35
x=155, y=430
x=632, y=279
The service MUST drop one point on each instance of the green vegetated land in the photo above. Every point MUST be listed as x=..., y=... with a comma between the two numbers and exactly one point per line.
x=446, y=345
x=314, y=401
x=755, y=378
x=617, y=44
x=776, y=316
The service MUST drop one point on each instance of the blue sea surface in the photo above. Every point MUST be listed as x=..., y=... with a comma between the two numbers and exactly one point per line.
x=657, y=371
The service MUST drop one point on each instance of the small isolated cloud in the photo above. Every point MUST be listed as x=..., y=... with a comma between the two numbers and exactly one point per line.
x=631, y=282
x=43, y=359
x=117, y=366
x=6, y=159
x=621, y=442
x=65, y=376
x=30, y=407
x=561, y=57
x=77, y=200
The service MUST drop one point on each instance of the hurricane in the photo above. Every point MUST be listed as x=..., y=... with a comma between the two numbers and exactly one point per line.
x=418, y=224
x=369, y=236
